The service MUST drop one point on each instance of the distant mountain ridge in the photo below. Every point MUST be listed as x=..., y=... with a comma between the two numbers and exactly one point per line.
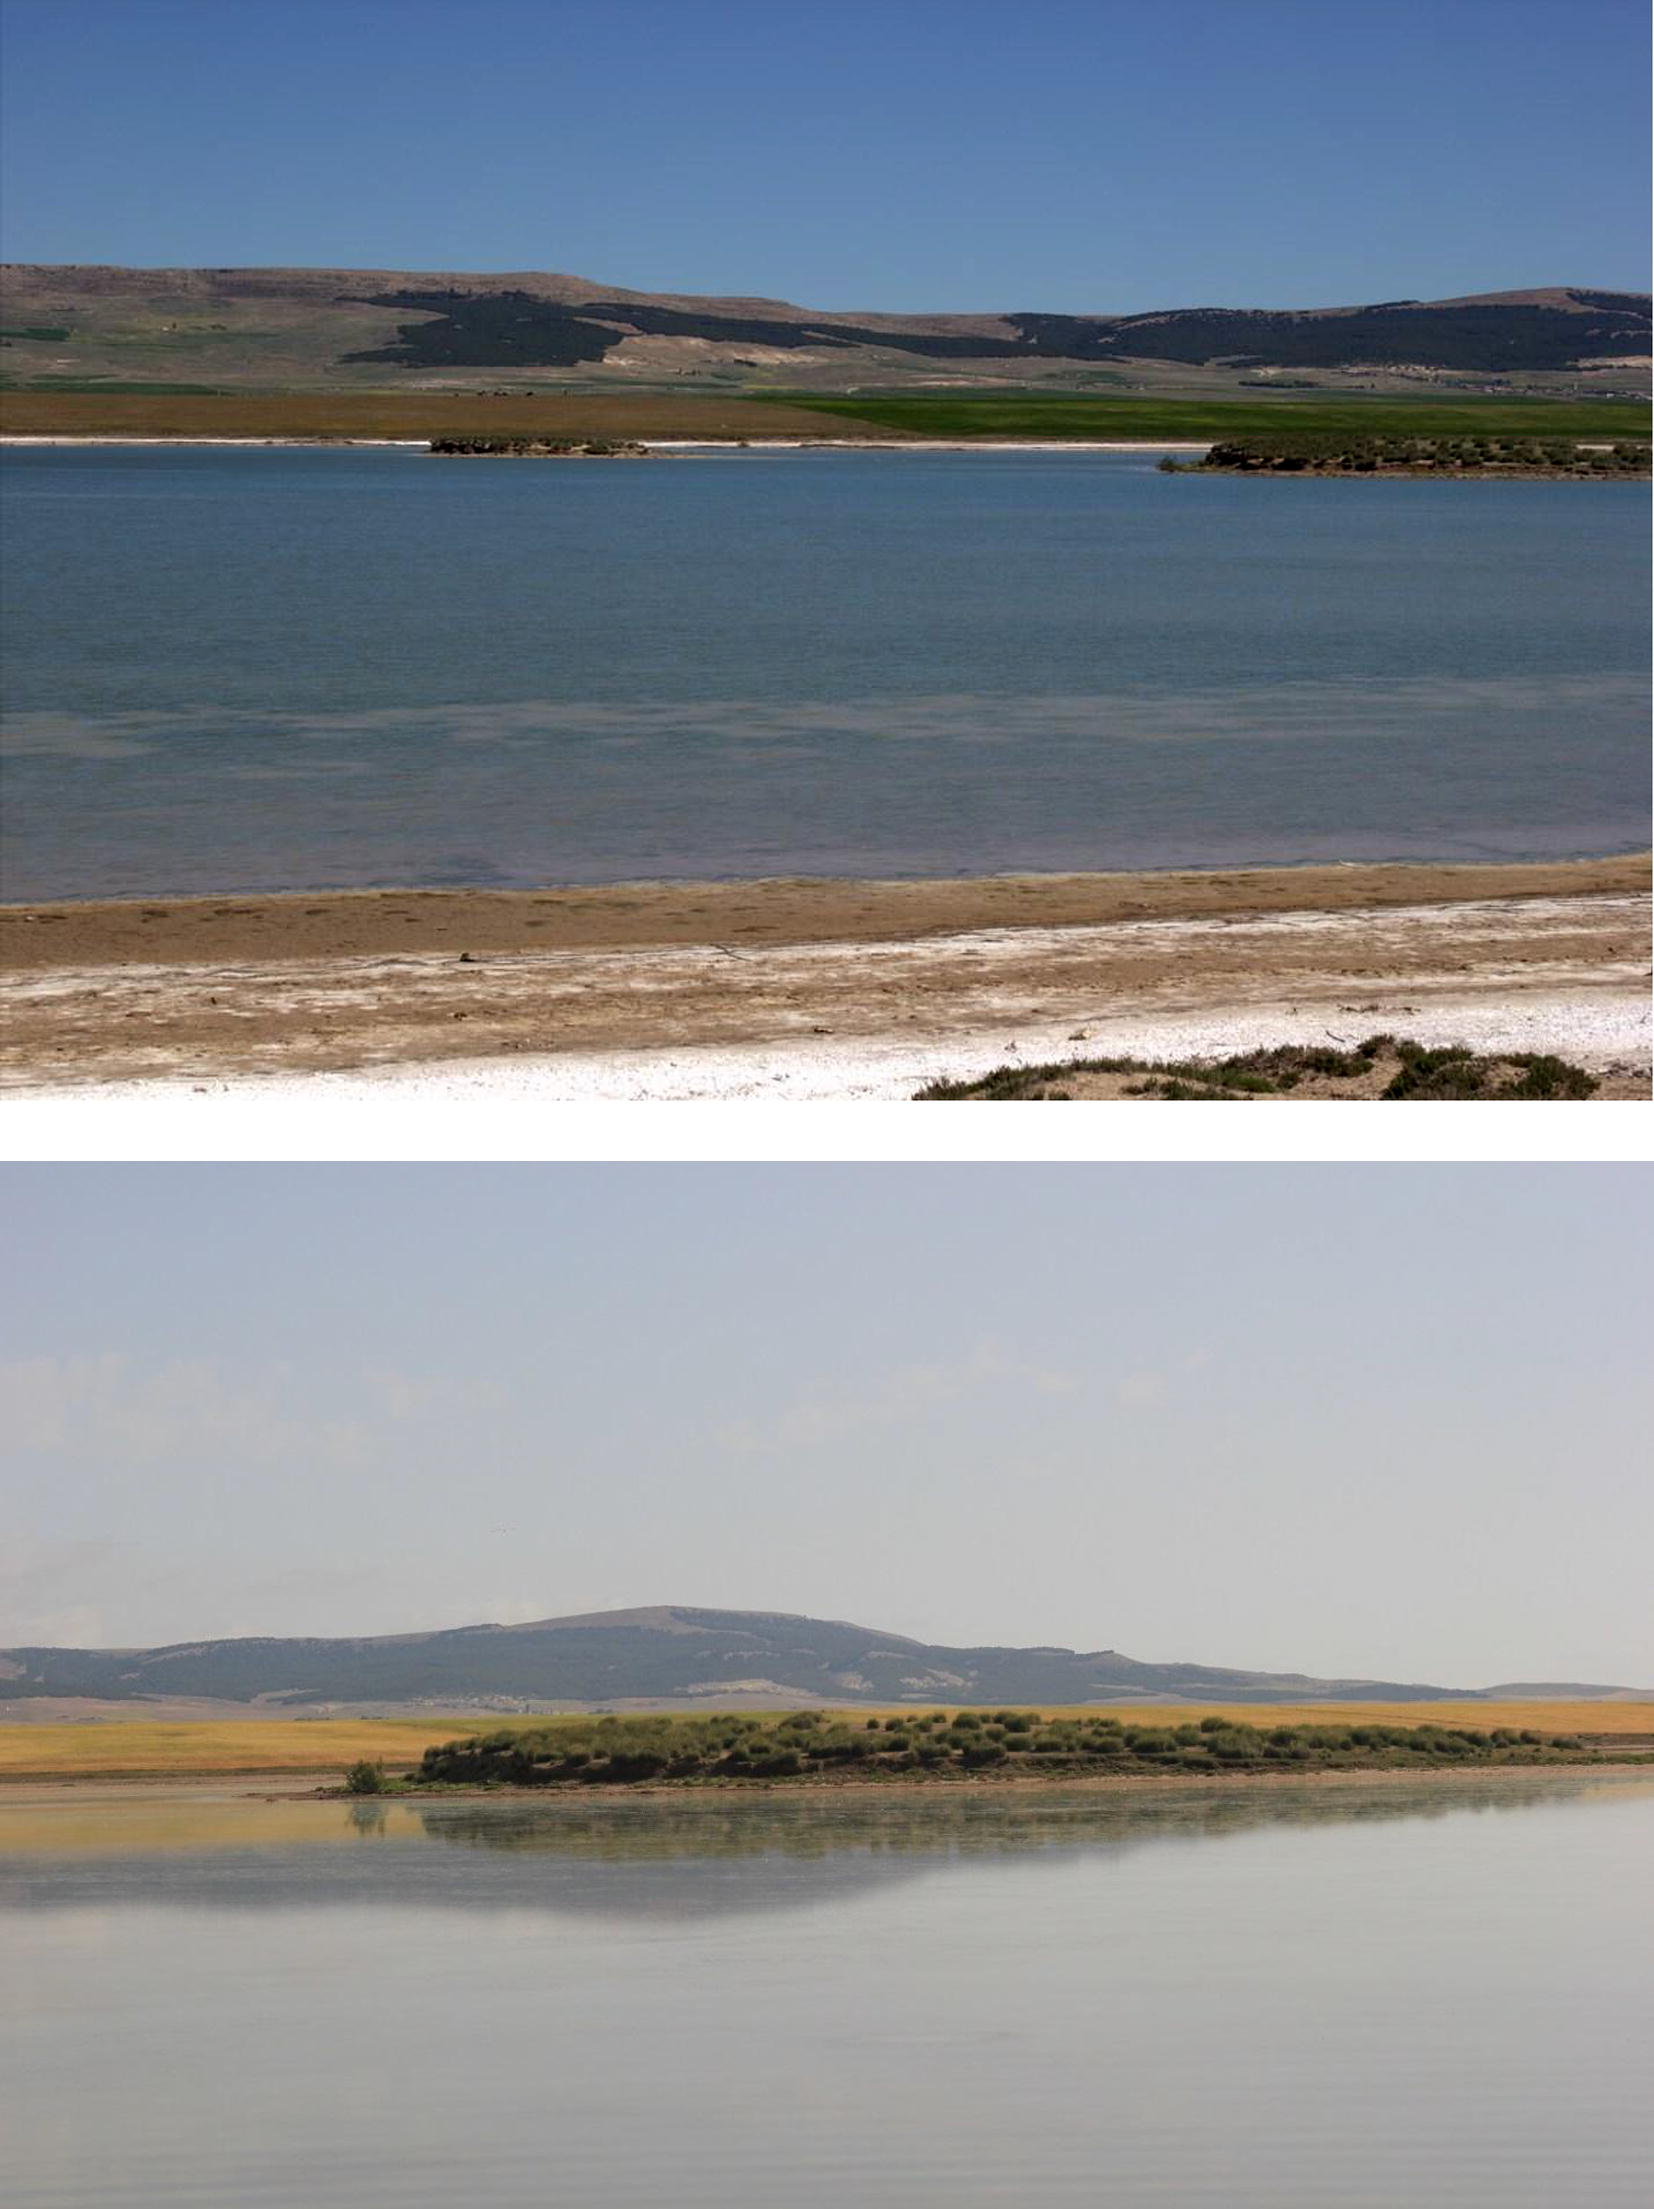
x=351, y=326
x=671, y=1654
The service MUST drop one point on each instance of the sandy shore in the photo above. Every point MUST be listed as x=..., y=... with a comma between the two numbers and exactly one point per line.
x=815, y=989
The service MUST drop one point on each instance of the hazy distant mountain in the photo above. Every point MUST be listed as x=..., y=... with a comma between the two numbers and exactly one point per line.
x=225, y=328
x=662, y=1655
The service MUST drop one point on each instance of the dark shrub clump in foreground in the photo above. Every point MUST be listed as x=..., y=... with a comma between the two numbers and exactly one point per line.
x=1406, y=1071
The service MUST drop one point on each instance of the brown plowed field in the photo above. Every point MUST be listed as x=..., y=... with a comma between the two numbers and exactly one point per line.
x=279, y=414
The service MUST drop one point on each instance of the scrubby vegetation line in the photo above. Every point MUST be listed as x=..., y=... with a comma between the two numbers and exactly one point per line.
x=942, y=1745
x=1338, y=453
x=541, y=448
x=1409, y=1073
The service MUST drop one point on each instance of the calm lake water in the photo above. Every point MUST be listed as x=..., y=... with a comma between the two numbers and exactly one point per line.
x=1437, y=1994
x=285, y=669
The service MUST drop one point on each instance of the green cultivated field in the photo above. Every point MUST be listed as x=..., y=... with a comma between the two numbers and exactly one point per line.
x=941, y=1745
x=1032, y=414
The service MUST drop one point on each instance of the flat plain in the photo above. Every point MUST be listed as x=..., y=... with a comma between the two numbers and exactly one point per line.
x=874, y=415
x=411, y=415
x=139, y=1749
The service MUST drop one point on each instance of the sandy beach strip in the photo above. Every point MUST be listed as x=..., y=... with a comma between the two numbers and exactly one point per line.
x=814, y=990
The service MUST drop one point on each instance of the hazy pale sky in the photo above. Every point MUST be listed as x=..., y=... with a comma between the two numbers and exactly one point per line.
x=1379, y=1420
x=1081, y=155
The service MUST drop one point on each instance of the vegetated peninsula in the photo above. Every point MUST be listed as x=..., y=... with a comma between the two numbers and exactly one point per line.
x=951, y=1745
x=1326, y=453
x=669, y=1655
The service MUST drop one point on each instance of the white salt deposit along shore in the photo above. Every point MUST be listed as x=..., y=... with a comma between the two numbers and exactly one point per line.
x=1594, y=1028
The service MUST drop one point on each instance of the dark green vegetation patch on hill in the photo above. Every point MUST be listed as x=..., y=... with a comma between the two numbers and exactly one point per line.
x=517, y=329
x=1389, y=1068
x=589, y=1752
x=501, y=328
x=1464, y=335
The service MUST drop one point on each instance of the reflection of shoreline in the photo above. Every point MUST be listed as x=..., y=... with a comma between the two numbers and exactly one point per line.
x=249, y=1791
x=674, y=1859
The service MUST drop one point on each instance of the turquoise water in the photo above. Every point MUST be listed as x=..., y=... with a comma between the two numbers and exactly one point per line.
x=1431, y=1994
x=286, y=669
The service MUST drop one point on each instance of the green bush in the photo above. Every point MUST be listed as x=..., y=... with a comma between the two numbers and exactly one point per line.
x=615, y=1751
x=365, y=1778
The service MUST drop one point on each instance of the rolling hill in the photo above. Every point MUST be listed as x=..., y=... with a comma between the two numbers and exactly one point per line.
x=320, y=329
x=667, y=1655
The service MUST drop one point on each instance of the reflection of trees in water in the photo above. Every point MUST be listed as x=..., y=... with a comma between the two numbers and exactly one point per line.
x=940, y=1824
x=666, y=1859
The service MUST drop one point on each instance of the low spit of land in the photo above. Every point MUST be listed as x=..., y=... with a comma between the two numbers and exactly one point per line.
x=935, y=977
x=1477, y=459
x=141, y=1748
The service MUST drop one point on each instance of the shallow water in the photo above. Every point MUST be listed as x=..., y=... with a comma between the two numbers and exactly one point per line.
x=1431, y=1993
x=288, y=669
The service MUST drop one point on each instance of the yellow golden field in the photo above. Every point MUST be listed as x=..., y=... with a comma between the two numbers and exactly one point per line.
x=136, y=1748
x=120, y=1748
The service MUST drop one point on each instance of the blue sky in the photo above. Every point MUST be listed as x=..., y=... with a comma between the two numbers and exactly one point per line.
x=944, y=154
x=1382, y=1420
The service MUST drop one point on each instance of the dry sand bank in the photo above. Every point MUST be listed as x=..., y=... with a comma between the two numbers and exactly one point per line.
x=781, y=910
x=820, y=989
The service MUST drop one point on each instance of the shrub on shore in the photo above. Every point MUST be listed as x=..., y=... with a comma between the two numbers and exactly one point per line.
x=1406, y=1071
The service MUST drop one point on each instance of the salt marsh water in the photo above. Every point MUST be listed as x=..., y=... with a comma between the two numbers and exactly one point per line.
x=1265, y=1998
x=287, y=669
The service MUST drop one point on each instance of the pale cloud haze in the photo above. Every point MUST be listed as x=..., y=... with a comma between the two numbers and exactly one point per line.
x=1383, y=1420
